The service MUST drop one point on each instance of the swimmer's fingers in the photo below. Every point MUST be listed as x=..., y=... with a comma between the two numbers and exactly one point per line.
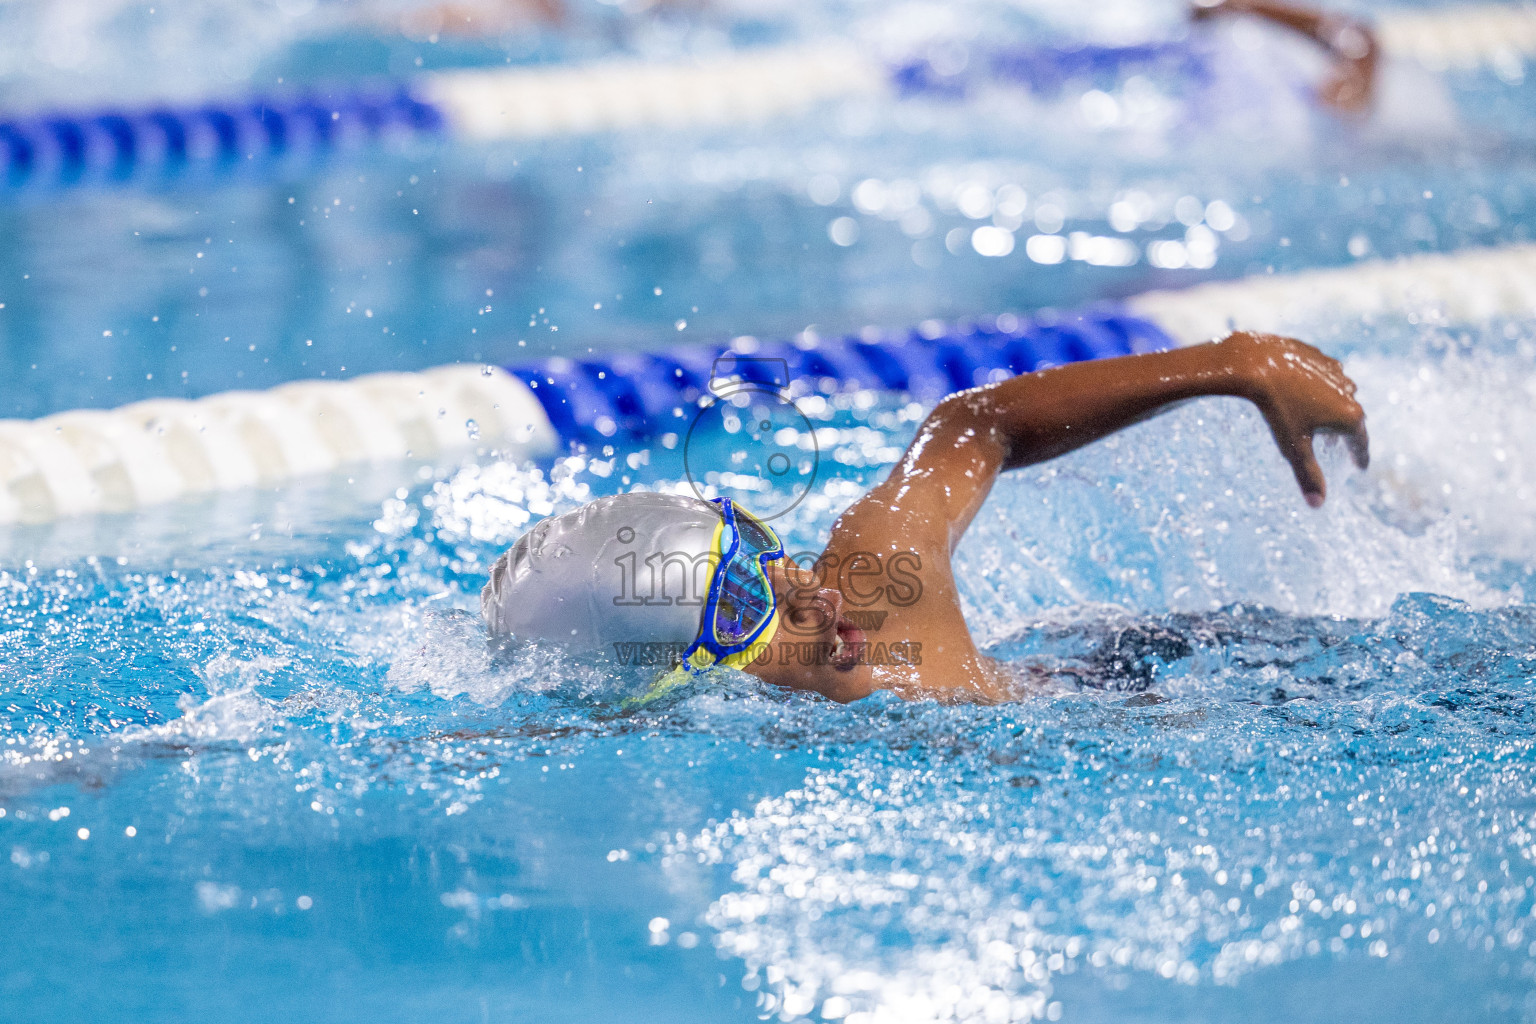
x=1299, y=452
x=1349, y=92
x=1309, y=475
x=1359, y=442
x=1350, y=425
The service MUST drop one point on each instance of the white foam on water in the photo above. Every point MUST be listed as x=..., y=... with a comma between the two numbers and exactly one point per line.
x=1197, y=510
x=230, y=713
x=1453, y=445
x=450, y=656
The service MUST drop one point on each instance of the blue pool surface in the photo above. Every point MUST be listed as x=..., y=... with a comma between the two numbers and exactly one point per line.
x=1285, y=755
x=259, y=760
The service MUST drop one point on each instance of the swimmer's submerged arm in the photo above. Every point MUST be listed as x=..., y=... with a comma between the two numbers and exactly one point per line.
x=940, y=483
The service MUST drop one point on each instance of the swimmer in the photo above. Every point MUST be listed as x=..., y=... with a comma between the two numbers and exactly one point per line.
x=614, y=575
x=1348, y=42
x=1383, y=100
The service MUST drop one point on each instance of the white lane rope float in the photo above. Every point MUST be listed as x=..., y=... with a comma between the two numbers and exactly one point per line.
x=750, y=85
x=53, y=149
x=93, y=461
x=90, y=460
x=1470, y=286
x=1462, y=38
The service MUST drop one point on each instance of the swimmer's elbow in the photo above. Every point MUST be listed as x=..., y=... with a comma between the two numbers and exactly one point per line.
x=968, y=417
x=965, y=412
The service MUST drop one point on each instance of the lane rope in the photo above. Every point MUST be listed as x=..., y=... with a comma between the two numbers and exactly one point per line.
x=165, y=142
x=1469, y=286
x=749, y=85
x=637, y=396
x=88, y=461
x=1461, y=38
x=91, y=461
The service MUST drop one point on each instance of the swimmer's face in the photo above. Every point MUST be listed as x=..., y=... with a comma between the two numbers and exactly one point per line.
x=816, y=647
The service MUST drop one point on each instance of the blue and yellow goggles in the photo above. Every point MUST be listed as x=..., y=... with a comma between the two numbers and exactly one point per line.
x=741, y=611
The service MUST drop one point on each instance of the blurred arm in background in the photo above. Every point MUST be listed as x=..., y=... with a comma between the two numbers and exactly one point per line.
x=1349, y=41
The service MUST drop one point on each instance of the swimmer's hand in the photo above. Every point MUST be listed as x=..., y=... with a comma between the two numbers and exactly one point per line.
x=1301, y=392
x=1349, y=42
x=1354, y=50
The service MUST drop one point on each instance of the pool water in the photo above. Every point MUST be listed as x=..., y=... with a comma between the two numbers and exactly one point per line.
x=258, y=759
x=264, y=762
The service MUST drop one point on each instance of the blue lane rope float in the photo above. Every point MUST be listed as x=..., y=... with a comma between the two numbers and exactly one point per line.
x=110, y=145
x=636, y=396
x=1048, y=70
x=64, y=148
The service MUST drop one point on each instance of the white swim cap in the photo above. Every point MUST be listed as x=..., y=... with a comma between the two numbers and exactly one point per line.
x=633, y=568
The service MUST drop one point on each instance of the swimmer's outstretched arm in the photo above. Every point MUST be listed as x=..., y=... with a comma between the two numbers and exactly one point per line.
x=1349, y=40
x=972, y=436
x=920, y=511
